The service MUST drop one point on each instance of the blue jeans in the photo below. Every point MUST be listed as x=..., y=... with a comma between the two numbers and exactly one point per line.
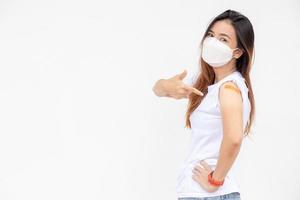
x=230, y=196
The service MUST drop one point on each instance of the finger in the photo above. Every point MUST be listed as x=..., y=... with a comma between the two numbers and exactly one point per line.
x=199, y=168
x=197, y=91
x=182, y=97
x=179, y=96
x=187, y=87
x=205, y=165
x=194, y=90
x=182, y=75
x=187, y=92
x=182, y=91
x=198, y=179
x=196, y=172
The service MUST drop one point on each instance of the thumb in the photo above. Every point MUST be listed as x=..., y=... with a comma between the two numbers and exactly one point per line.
x=182, y=75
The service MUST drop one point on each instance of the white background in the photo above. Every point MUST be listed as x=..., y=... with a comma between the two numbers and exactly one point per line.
x=78, y=118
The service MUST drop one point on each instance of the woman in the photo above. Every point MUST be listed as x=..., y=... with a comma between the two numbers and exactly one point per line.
x=220, y=110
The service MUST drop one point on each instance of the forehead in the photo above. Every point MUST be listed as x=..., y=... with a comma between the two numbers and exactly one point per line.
x=223, y=26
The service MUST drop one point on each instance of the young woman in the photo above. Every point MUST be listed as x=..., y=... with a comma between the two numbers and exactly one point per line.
x=220, y=109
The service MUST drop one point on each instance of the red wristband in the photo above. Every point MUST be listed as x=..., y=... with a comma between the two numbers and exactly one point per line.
x=214, y=182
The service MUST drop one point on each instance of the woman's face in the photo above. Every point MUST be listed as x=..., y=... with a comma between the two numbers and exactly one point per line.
x=224, y=32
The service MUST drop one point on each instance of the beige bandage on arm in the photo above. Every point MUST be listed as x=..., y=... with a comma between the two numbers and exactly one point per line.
x=231, y=87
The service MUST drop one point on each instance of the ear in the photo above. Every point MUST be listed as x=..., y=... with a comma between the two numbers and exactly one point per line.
x=238, y=53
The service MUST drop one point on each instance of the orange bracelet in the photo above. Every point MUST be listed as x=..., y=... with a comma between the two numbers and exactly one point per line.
x=214, y=182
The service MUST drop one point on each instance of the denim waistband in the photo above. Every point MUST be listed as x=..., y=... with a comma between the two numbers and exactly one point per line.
x=230, y=195
x=233, y=195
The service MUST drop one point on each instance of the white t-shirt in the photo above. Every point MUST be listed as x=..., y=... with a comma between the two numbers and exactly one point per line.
x=206, y=138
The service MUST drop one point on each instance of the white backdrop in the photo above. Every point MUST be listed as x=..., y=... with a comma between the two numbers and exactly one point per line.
x=79, y=119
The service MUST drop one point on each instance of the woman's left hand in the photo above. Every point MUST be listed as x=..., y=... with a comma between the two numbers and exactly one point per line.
x=200, y=175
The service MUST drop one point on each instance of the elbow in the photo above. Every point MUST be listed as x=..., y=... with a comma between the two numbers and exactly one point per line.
x=237, y=142
x=233, y=138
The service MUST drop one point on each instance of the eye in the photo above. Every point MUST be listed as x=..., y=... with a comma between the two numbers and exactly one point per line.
x=223, y=40
x=210, y=35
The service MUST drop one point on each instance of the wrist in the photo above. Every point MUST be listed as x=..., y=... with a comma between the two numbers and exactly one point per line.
x=217, y=176
x=213, y=181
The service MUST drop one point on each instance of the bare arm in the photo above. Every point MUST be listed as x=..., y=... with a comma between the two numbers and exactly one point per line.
x=232, y=116
x=174, y=87
x=232, y=119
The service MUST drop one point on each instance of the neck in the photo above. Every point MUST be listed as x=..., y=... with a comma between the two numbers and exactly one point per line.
x=222, y=72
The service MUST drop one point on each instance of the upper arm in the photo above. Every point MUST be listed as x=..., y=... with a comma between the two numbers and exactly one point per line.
x=231, y=107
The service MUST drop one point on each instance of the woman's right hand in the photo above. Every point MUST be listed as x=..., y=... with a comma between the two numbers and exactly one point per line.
x=174, y=87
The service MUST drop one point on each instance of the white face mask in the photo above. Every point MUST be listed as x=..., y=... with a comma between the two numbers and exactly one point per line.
x=216, y=53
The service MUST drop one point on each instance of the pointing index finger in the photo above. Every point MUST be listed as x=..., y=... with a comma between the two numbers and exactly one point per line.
x=195, y=90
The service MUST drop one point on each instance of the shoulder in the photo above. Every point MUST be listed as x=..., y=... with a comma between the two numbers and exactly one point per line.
x=235, y=86
x=230, y=94
x=230, y=86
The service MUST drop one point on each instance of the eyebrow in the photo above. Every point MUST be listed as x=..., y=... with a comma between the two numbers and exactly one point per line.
x=223, y=34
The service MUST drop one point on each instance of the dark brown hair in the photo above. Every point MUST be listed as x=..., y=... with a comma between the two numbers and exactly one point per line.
x=245, y=41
